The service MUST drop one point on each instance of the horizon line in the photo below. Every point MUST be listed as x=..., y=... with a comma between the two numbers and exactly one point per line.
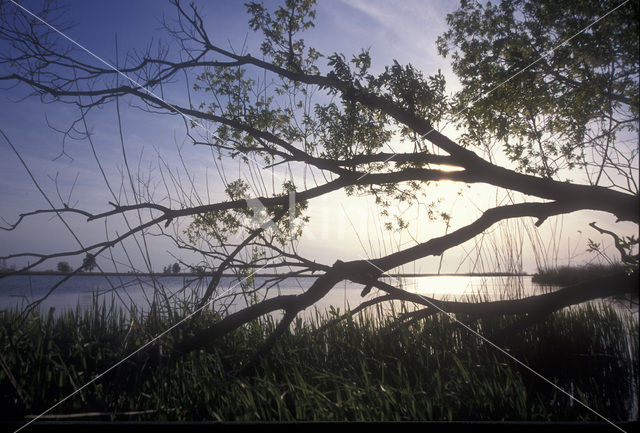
x=306, y=275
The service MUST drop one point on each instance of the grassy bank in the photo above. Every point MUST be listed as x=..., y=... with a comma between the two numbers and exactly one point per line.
x=361, y=369
x=568, y=275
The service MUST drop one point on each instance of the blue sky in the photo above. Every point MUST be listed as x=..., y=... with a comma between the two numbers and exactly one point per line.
x=343, y=227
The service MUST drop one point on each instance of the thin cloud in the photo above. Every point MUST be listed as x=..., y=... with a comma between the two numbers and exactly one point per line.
x=404, y=30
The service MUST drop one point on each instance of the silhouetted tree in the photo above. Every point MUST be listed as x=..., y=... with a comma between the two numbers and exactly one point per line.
x=175, y=269
x=89, y=263
x=64, y=267
x=333, y=117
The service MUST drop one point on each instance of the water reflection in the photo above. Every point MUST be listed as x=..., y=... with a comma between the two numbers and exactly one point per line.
x=477, y=288
x=177, y=291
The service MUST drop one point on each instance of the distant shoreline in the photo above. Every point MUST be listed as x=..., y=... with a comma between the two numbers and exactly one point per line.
x=258, y=275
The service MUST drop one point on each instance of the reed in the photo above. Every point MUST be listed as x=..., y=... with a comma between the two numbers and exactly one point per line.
x=568, y=275
x=362, y=369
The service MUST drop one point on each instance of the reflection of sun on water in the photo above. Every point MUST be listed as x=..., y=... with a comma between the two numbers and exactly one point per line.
x=460, y=287
x=439, y=286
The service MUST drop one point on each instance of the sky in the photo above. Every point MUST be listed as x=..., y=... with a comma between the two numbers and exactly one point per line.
x=160, y=156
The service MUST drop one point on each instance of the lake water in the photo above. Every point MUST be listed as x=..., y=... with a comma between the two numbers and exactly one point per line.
x=20, y=290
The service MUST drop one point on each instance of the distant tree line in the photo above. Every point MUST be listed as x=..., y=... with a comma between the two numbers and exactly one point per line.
x=548, y=113
x=171, y=269
x=64, y=267
x=4, y=267
x=88, y=264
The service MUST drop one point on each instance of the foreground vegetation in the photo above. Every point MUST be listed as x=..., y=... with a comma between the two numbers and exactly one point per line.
x=364, y=368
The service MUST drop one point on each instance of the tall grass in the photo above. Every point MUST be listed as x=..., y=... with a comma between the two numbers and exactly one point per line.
x=363, y=369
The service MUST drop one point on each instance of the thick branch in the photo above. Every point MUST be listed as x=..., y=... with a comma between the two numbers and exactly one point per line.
x=598, y=288
x=367, y=272
x=624, y=256
x=437, y=246
x=623, y=205
x=292, y=304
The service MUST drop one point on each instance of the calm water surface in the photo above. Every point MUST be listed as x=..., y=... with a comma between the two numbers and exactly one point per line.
x=124, y=291
x=20, y=290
